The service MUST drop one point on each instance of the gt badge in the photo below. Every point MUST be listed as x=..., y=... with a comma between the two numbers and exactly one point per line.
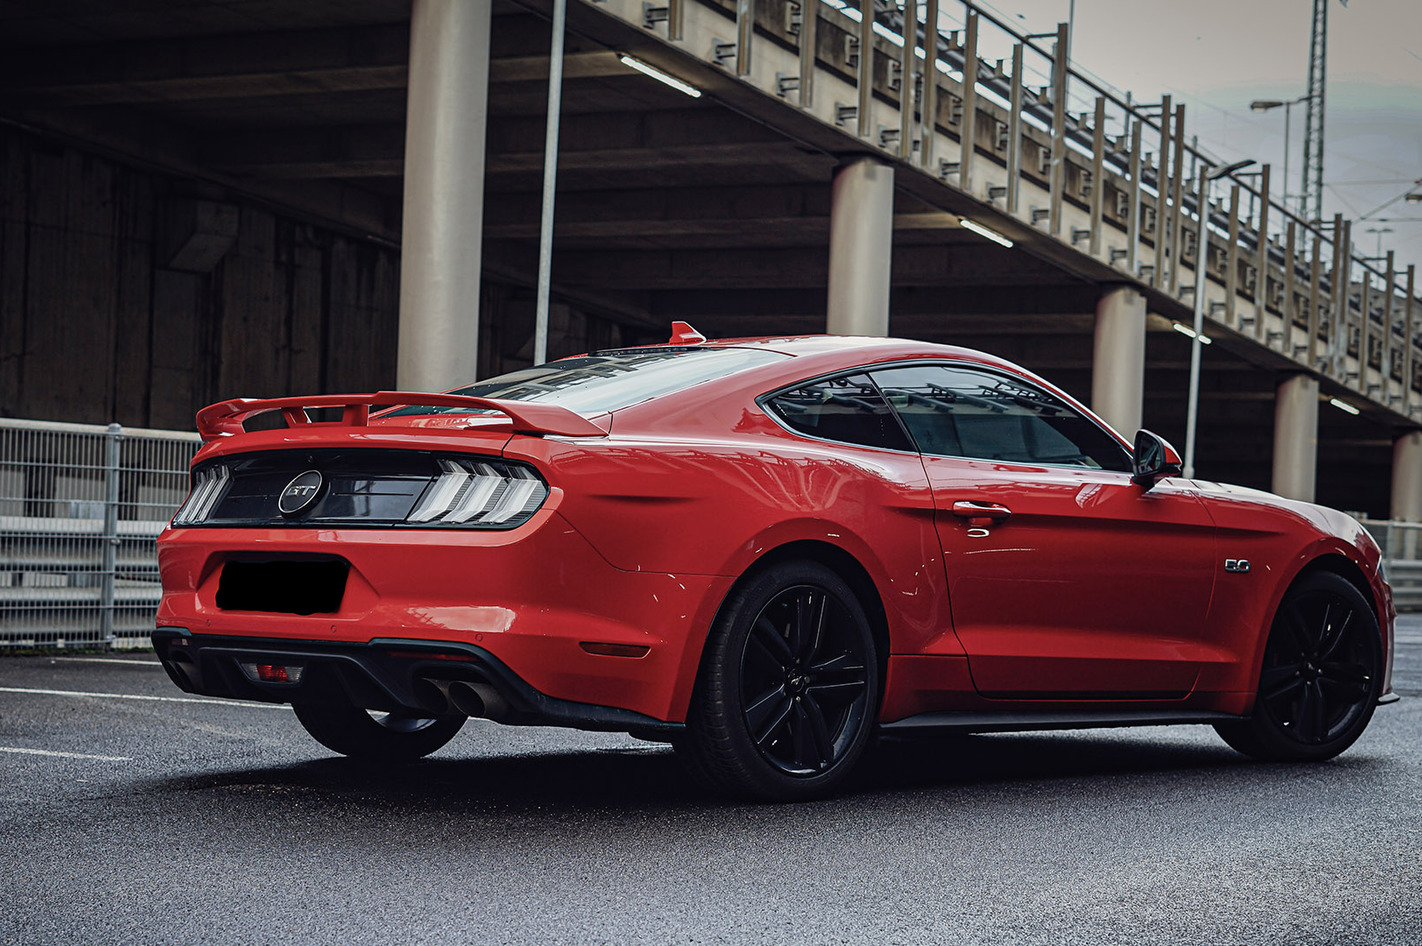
x=300, y=493
x=1240, y=565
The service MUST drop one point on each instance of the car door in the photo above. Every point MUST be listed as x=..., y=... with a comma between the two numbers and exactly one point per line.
x=1066, y=580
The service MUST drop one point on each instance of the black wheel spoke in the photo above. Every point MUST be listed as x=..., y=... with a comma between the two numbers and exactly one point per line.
x=801, y=739
x=1298, y=634
x=1331, y=642
x=776, y=717
x=816, y=632
x=764, y=634
x=1277, y=681
x=1311, y=714
x=1345, y=673
x=839, y=679
x=762, y=708
x=819, y=732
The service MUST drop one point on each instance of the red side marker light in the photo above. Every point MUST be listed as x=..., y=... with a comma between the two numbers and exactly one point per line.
x=614, y=650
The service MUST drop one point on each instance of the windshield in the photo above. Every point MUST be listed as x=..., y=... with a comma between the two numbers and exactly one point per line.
x=609, y=380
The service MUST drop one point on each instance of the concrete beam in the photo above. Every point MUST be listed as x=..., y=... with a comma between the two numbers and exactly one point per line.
x=968, y=264
x=230, y=66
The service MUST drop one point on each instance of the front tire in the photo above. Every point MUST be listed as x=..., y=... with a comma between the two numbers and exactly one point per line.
x=1321, y=676
x=788, y=689
x=376, y=737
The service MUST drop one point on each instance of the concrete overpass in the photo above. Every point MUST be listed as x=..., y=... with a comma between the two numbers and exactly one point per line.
x=261, y=164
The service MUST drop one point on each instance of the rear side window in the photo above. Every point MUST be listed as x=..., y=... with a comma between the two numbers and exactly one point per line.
x=849, y=409
x=610, y=380
x=955, y=411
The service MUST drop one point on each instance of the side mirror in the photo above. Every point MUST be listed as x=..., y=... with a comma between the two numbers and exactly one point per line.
x=1154, y=460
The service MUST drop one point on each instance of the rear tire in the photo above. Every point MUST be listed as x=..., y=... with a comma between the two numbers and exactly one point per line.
x=1321, y=676
x=788, y=690
x=376, y=737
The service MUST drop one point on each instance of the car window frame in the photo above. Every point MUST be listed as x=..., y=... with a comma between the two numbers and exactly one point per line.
x=762, y=400
x=993, y=370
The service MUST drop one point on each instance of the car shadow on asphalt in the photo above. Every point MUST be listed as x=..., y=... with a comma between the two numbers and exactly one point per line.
x=651, y=777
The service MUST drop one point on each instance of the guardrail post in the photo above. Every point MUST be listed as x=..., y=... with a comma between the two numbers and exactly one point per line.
x=1162, y=196
x=113, y=441
x=1286, y=307
x=1057, y=176
x=1407, y=343
x=928, y=102
x=1133, y=226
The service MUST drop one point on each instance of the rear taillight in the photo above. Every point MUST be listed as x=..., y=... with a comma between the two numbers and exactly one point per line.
x=480, y=493
x=208, y=486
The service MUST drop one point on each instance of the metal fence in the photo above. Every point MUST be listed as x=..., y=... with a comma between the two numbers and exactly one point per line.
x=80, y=507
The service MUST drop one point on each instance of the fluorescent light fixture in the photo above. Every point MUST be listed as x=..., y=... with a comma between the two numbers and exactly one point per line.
x=660, y=76
x=1344, y=406
x=983, y=231
x=1188, y=332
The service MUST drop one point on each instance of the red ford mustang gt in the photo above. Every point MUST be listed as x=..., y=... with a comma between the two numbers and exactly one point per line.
x=762, y=551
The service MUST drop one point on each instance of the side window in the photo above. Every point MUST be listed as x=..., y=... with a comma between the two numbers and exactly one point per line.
x=964, y=412
x=848, y=409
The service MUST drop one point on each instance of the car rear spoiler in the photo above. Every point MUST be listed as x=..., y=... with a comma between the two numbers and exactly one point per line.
x=226, y=418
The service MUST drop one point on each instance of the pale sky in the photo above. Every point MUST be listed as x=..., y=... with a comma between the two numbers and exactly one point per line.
x=1218, y=55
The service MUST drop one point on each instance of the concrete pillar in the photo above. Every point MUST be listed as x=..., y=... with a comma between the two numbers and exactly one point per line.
x=1118, y=359
x=861, y=243
x=1296, y=437
x=441, y=242
x=1406, y=492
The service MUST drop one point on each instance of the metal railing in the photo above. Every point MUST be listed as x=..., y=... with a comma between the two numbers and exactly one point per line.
x=1401, y=543
x=80, y=507
x=1043, y=143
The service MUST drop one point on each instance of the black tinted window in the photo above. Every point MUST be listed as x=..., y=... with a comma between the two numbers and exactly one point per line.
x=608, y=381
x=849, y=409
x=962, y=412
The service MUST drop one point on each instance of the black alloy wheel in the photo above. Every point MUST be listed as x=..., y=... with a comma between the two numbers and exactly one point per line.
x=1321, y=676
x=377, y=736
x=788, y=688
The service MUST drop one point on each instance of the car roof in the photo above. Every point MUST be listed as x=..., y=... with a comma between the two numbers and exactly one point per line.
x=868, y=348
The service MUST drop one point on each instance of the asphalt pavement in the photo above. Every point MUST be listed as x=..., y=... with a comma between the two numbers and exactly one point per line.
x=133, y=813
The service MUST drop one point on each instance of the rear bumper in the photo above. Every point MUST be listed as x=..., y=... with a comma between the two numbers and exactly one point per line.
x=394, y=675
x=537, y=600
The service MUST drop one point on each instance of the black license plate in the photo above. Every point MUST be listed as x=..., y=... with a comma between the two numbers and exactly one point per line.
x=283, y=587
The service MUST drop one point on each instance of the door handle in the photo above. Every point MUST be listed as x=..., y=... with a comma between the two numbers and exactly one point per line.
x=984, y=512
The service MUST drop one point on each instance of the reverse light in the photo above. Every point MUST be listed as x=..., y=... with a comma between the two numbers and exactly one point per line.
x=208, y=487
x=480, y=494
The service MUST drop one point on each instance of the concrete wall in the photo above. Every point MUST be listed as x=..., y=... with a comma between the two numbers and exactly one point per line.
x=131, y=296
x=118, y=304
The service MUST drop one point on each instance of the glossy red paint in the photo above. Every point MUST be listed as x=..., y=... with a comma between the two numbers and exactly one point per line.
x=1074, y=588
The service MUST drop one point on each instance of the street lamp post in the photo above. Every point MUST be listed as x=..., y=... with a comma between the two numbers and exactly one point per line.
x=1265, y=105
x=1208, y=173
